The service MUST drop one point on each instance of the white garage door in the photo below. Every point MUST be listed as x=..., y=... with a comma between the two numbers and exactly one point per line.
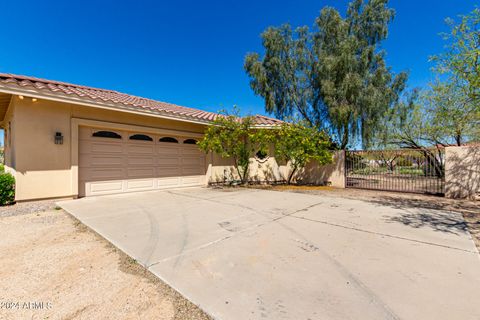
x=112, y=161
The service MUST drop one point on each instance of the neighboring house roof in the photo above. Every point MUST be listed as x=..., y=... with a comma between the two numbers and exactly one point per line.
x=78, y=93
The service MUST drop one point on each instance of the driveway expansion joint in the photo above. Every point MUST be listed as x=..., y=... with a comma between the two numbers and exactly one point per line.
x=385, y=234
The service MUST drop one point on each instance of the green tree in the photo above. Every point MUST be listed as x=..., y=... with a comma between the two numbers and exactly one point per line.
x=454, y=118
x=299, y=143
x=411, y=125
x=461, y=60
x=334, y=77
x=232, y=136
x=448, y=112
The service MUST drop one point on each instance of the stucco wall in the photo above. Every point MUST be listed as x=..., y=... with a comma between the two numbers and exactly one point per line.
x=462, y=172
x=42, y=167
x=266, y=170
x=270, y=170
x=331, y=174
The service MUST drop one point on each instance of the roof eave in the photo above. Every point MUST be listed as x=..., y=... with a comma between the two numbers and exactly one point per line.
x=59, y=97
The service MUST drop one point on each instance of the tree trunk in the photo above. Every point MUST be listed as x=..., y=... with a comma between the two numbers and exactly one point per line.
x=290, y=176
x=343, y=145
x=458, y=139
x=238, y=170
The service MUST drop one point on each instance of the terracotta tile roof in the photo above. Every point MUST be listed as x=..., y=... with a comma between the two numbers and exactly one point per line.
x=267, y=121
x=116, y=98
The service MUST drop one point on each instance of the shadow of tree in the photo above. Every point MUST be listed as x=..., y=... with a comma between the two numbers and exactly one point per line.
x=437, y=221
x=462, y=172
x=425, y=202
x=440, y=215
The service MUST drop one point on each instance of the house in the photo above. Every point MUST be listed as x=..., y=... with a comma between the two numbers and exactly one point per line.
x=65, y=140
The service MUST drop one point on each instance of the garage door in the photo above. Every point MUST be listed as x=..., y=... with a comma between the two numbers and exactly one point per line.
x=112, y=161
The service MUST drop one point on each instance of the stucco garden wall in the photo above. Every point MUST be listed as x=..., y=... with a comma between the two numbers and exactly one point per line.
x=261, y=171
x=331, y=174
x=462, y=172
x=270, y=171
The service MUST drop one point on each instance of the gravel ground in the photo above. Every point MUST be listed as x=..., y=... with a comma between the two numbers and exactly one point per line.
x=27, y=207
x=70, y=272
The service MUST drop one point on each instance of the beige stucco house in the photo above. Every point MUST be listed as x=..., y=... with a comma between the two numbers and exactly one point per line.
x=65, y=140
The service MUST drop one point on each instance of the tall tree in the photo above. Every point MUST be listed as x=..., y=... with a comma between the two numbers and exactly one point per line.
x=461, y=60
x=334, y=76
x=448, y=112
x=410, y=126
x=454, y=117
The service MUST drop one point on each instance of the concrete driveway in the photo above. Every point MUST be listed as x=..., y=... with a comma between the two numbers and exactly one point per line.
x=255, y=254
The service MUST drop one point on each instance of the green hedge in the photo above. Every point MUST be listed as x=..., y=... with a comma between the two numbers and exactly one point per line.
x=7, y=189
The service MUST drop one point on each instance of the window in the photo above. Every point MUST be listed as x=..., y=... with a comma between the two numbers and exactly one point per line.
x=107, y=134
x=142, y=137
x=261, y=155
x=168, y=139
x=190, y=141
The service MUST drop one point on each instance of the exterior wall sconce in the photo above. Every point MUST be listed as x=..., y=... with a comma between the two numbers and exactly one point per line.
x=58, y=138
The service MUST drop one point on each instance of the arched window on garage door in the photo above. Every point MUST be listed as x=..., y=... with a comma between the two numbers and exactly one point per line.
x=141, y=137
x=190, y=141
x=168, y=139
x=107, y=134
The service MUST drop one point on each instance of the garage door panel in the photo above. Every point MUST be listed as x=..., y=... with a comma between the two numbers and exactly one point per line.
x=104, y=187
x=194, y=151
x=192, y=161
x=136, y=185
x=140, y=149
x=141, y=161
x=140, y=173
x=168, y=171
x=167, y=149
x=168, y=161
x=109, y=166
x=100, y=147
x=168, y=182
x=89, y=160
x=96, y=174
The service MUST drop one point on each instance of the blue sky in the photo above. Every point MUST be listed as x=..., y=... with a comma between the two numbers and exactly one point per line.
x=188, y=52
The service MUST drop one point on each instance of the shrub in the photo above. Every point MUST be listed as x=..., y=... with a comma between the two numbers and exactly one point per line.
x=7, y=189
x=404, y=162
x=298, y=143
x=2, y=168
x=233, y=136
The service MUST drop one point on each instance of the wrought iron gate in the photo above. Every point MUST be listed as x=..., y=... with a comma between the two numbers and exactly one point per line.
x=418, y=171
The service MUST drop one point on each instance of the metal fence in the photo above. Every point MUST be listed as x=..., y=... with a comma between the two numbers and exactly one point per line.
x=418, y=171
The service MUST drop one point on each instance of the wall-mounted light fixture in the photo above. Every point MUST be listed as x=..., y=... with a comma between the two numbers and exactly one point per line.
x=20, y=97
x=34, y=99
x=58, y=138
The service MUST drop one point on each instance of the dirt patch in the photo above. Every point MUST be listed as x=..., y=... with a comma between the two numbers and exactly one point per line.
x=53, y=267
x=469, y=209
